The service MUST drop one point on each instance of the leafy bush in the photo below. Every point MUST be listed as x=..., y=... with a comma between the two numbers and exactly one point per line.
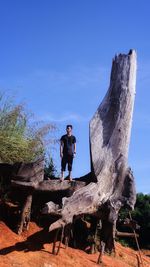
x=141, y=215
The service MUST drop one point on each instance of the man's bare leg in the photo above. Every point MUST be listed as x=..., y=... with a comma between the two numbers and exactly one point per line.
x=70, y=176
x=62, y=176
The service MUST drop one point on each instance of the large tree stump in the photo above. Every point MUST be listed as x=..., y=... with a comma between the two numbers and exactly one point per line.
x=110, y=130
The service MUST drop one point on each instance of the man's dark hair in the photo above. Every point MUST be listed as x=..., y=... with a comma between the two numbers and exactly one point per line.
x=69, y=125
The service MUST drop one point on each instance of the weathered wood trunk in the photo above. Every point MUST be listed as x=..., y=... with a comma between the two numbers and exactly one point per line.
x=110, y=130
x=26, y=176
x=25, y=214
x=125, y=234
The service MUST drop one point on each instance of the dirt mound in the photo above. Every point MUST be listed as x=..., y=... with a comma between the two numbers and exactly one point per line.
x=32, y=249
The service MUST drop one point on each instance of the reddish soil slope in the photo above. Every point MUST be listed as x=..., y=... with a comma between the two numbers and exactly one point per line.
x=32, y=249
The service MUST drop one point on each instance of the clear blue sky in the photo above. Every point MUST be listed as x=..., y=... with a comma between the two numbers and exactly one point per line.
x=56, y=56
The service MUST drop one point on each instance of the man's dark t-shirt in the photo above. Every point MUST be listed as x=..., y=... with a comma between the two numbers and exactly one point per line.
x=68, y=141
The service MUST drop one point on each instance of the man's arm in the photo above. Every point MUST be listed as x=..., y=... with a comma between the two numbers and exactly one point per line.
x=74, y=149
x=61, y=148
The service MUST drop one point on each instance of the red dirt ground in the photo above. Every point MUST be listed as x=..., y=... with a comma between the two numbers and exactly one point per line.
x=32, y=249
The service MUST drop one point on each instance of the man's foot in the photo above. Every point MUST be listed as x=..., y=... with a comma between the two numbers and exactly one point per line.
x=61, y=180
x=70, y=180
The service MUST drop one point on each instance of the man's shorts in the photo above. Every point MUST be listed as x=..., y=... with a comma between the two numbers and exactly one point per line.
x=68, y=159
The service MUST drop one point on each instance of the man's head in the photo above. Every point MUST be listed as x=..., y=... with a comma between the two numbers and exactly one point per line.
x=69, y=128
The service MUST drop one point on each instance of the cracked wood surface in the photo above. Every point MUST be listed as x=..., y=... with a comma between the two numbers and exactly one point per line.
x=110, y=130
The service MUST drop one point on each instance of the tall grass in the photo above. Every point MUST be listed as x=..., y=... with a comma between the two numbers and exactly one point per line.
x=20, y=140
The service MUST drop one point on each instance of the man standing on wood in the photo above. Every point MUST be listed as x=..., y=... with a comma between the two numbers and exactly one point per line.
x=67, y=152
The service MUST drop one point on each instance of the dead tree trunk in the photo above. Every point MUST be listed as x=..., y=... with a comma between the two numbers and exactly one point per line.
x=125, y=234
x=25, y=214
x=26, y=176
x=110, y=130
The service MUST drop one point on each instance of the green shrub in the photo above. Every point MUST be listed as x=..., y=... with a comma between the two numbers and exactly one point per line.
x=21, y=140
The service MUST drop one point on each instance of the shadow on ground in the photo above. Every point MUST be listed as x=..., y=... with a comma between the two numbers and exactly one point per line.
x=34, y=242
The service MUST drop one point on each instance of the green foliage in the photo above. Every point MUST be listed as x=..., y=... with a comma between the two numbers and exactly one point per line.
x=50, y=169
x=123, y=242
x=20, y=140
x=141, y=215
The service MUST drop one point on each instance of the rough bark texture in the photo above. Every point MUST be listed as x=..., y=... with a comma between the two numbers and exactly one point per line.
x=24, y=176
x=25, y=214
x=110, y=130
x=27, y=185
x=32, y=172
